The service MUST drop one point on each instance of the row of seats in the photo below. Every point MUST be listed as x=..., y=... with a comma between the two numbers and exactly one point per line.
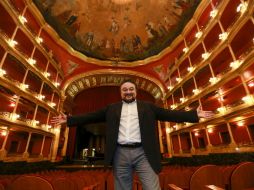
x=58, y=180
x=207, y=177
x=235, y=177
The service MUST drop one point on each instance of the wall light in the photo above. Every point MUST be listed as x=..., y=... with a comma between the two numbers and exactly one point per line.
x=22, y=19
x=173, y=106
x=205, y=55
x=46, y=74
x=242, y=7
x=40, y=96
x=179, y=79
x=190, y=69
x=35, y=122
x=196, y=91
x=3, y=133
x=223, y=36
x=12, y=43
x=52, y=104
x=214, y=80
x=198, y=34
x=222, y=109
x=57, y=84
x=251, y=84
x=183, y=100
x=240, y=124
x=185, y=50
x=38, y=39
x=2, y=72
x=12, y=104
x=213, y=13
x=248, y=99
x=14, y=116
x=23, y=86
x=210, y=130
x=235, y=64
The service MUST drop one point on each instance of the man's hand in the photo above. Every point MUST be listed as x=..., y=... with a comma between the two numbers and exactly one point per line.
x=60, y=119
x=204, y=114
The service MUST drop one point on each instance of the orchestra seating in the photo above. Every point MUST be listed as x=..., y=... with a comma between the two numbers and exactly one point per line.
x=234, y=177
x=245, y=173
x=57, y=180
x=27, y=182
x=206, y=177
x=176, y=176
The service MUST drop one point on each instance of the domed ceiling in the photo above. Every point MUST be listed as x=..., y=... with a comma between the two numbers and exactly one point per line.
x=121, y=30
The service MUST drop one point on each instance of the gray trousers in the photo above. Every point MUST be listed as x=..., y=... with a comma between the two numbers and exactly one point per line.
x=127, y=160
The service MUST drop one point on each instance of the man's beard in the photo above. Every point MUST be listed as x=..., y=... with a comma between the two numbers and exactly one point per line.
x=129, y=100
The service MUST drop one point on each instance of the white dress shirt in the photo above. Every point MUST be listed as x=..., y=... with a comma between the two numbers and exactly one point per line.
x=129, y=130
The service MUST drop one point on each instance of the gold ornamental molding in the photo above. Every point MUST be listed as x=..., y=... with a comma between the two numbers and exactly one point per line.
x=116, y=62
x=110, y=77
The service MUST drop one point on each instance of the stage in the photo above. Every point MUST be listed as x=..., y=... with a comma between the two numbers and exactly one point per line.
x=88, y=163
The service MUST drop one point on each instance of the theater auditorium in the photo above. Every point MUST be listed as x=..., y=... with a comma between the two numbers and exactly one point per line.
x=63, y=58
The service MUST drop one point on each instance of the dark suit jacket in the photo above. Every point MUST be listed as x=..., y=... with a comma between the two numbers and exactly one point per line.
x=148, y=115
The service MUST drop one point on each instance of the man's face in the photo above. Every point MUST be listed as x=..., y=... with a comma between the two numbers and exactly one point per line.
x=128, y=92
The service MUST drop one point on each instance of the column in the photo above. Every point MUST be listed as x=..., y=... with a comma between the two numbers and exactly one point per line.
x=55, y=143
x=60, y=109
x=249, y=135
x=232, y=144
x=3, y=151
x=50, y=149
x=169, y=144
x=66, y=135
x=221, y=141
x=160, y=137
x=172, y=145
x=180, y=145
x=42, y=146
x=192, y=144
x=209, y=146
x=26, y=154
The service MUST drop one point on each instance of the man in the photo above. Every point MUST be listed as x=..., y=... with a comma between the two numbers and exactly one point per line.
x=131, y=137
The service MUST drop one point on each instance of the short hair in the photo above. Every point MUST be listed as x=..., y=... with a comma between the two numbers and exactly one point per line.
x=130, y=81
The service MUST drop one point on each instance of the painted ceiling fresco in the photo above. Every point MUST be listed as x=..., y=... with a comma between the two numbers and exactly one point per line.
x=124, y=30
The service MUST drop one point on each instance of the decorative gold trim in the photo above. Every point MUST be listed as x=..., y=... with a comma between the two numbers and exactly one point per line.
x=32, y=7
x=119, y=63
x=112, y=72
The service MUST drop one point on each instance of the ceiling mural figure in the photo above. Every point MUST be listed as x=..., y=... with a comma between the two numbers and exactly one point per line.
x=128, y=30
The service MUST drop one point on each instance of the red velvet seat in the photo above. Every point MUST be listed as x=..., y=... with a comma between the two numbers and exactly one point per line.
x=242, y=176
x=29, y=182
